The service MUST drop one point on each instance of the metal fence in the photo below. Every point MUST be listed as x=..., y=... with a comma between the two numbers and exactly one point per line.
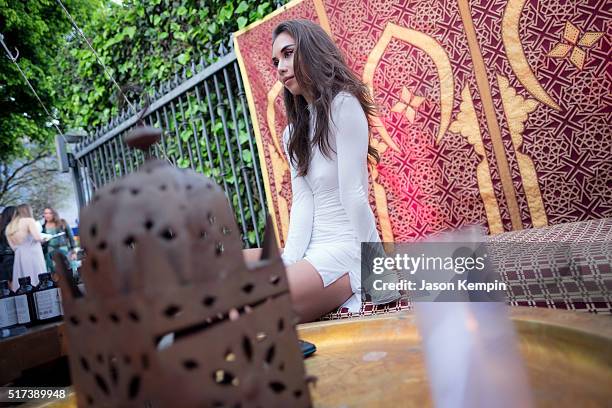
x=204, y=117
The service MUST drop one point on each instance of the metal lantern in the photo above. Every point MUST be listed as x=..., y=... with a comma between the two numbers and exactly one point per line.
x=172, y=315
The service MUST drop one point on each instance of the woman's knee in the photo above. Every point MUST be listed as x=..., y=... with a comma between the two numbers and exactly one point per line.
x=254, y=254
x=251, y=254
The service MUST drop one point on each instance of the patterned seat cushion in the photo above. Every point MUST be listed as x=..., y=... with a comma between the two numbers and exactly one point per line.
x=565, y=266
x=369, y=309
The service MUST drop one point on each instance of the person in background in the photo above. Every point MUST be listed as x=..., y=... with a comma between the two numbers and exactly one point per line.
x=7, y=256
x=53, y=225
x=24, y=238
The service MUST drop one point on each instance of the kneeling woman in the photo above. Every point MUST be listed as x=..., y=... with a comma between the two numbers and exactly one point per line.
x=327, y=146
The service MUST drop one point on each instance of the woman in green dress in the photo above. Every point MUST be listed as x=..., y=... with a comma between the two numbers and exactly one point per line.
x=64, y=243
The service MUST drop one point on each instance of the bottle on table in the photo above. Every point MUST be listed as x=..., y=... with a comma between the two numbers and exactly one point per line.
x=8, y=312
x=47, y=299
x=24, y=302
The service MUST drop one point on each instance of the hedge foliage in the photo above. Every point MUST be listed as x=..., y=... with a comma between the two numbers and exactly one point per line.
x=144, y=43
x=37, y=30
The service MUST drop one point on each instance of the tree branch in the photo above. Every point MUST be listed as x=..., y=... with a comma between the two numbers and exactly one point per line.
x=22, y=183
x=27, y=164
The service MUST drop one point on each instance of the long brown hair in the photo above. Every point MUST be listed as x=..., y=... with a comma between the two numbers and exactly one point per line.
x=321, y=70
x=7, y=216
x=60, y=222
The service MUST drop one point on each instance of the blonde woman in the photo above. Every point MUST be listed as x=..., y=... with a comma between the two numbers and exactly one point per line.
x=23, y=237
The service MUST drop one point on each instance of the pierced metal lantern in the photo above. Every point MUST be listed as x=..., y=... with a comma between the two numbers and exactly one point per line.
x=172, y=315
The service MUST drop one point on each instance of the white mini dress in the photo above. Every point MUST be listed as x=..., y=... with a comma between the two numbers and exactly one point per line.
x=330, y=212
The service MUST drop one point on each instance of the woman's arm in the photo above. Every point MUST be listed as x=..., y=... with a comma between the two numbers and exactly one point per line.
x=352, y=139
x=69, y=235
x=301, y=217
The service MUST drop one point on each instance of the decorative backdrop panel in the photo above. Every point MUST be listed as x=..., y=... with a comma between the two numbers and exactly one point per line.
x=491, y=111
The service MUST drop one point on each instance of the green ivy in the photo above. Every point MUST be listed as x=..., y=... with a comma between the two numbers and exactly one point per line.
x=144, y=43
x=38, y=30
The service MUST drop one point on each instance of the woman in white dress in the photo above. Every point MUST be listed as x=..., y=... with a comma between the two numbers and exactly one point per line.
x=327, y=146
x=24, y=237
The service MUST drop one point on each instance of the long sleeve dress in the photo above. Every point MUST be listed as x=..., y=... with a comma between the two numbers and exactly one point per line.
x=330, y=213
x=63, y=243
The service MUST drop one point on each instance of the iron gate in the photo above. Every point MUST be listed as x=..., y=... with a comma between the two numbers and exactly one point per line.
x=205, y=124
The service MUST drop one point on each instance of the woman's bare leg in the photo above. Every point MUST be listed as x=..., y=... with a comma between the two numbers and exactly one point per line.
x=251, y=255
x=309, y=298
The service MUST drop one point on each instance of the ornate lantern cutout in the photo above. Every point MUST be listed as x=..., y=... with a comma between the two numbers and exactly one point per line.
x=164, y=260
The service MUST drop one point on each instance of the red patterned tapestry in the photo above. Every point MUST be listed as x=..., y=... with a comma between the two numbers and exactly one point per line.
x=491, y=111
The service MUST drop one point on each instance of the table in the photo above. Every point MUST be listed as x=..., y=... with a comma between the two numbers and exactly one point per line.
x=39, y=345
x=378, y=361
